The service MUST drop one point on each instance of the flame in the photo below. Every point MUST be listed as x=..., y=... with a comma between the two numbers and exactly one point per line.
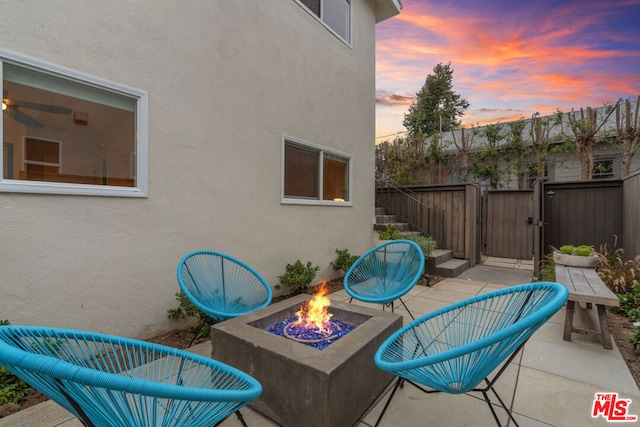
x=315, y=314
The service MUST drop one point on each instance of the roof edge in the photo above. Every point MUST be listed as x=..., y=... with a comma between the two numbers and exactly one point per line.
x=386, y=9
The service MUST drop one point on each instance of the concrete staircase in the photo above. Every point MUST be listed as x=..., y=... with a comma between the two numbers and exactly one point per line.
x=441, y=261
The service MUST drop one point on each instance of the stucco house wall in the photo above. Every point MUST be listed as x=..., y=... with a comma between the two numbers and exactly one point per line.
x=225, y=81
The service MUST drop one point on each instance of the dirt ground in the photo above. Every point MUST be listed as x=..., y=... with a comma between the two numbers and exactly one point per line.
x=622, y=329
x=620, y=326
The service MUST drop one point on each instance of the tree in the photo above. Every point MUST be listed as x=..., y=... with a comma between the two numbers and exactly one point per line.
x=461, y=161
x=437, y=107
x=492, y=162
x=436, y=159
x=628, y=132
x=402, y=160
x=517, y=148
x=585, y=133
x=540, y=137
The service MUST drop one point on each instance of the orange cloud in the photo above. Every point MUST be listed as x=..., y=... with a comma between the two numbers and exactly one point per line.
x=518, y=57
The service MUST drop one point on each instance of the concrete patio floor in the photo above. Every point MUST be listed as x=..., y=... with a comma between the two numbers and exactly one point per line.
x=550, y=383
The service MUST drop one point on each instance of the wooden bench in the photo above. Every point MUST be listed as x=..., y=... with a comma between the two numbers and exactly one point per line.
x=585, y=286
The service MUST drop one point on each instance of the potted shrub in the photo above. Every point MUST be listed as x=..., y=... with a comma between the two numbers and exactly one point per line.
x=576, y=256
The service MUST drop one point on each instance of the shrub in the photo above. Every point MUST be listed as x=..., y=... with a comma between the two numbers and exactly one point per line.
x=547, y=272
x=297, y=277
x=391, y=233
x=344, y=260
x=12, y=388
x=426, y=243
x=186, y=309
x=617, y=272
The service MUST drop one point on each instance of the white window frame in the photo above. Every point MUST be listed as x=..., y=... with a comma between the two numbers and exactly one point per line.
x=317, y=202
x=142, y=118
x=321, y=20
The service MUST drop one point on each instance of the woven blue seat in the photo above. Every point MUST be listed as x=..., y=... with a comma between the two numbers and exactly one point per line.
x=221, y=286
x=385, y=273
x=112, y=381
x=456, y=348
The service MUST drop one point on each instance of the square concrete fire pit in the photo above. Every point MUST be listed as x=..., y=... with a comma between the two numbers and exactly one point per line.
x=300, y=384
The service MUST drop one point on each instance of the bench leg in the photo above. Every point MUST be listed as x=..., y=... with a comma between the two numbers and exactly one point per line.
x=604, y=327
x=568, y=320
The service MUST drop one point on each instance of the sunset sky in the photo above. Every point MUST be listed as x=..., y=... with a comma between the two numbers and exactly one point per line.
x=510, y=58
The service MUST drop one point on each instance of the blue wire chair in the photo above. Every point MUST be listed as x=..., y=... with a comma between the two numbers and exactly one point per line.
x=385, y=273
x=455, y=348
x=221, y=286
x=112, y=381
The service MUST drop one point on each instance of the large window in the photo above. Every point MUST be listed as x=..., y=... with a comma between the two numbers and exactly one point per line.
x=315, y=175
x=335, y=14
x=68, y=133
x=603, y=169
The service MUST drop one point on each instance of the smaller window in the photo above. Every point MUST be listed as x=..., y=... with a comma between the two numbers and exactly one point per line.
x=315, y=175
x=335, y=14
x=602, y=169
x=532, y=175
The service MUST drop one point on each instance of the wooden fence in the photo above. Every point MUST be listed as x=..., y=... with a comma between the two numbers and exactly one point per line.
x=631, y=215
x=592, y=212
x=448, y=213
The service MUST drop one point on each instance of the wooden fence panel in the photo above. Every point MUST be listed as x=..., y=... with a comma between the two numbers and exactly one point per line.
x=587, y=212
x=509, y=232
x=449, y=208
x=631, y=215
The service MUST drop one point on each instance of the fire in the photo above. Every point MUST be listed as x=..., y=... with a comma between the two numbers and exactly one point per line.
x=315, y=314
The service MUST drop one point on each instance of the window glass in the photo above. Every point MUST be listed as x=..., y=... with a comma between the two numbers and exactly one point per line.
x=62, y=132
x=603, y=169
x=301, y=172
x=336, y=15
x=335, y=178
x=313, y=6
x=314, y=174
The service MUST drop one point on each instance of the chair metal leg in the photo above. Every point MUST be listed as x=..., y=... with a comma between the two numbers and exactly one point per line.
x=240, y=418
x=490, y=384
x=82, y=417
x=484, y=390
x=406, y=308
x=393, y=392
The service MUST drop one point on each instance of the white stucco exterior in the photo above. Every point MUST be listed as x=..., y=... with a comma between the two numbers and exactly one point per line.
x=225, y=81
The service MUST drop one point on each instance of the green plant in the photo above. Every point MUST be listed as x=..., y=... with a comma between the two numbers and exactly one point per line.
x=617, y=272
x=12, y=388
x=426, y=243
x=391, y=233
x=567, y=249
x=582, y=250
x=297, y=277
x=344, y=260
x=635, y=338
x=629, y=303
x=186, y=309
x=547, y=272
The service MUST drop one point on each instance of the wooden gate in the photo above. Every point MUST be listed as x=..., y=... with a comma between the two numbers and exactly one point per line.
x=508, y=224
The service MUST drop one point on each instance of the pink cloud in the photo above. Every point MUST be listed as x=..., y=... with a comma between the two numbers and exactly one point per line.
x=518, y=56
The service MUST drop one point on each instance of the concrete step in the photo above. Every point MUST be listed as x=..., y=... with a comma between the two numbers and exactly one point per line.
x=400, y=226
x=386, y=219
x=441, y=255
x=379, y=211
x=452, y=268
